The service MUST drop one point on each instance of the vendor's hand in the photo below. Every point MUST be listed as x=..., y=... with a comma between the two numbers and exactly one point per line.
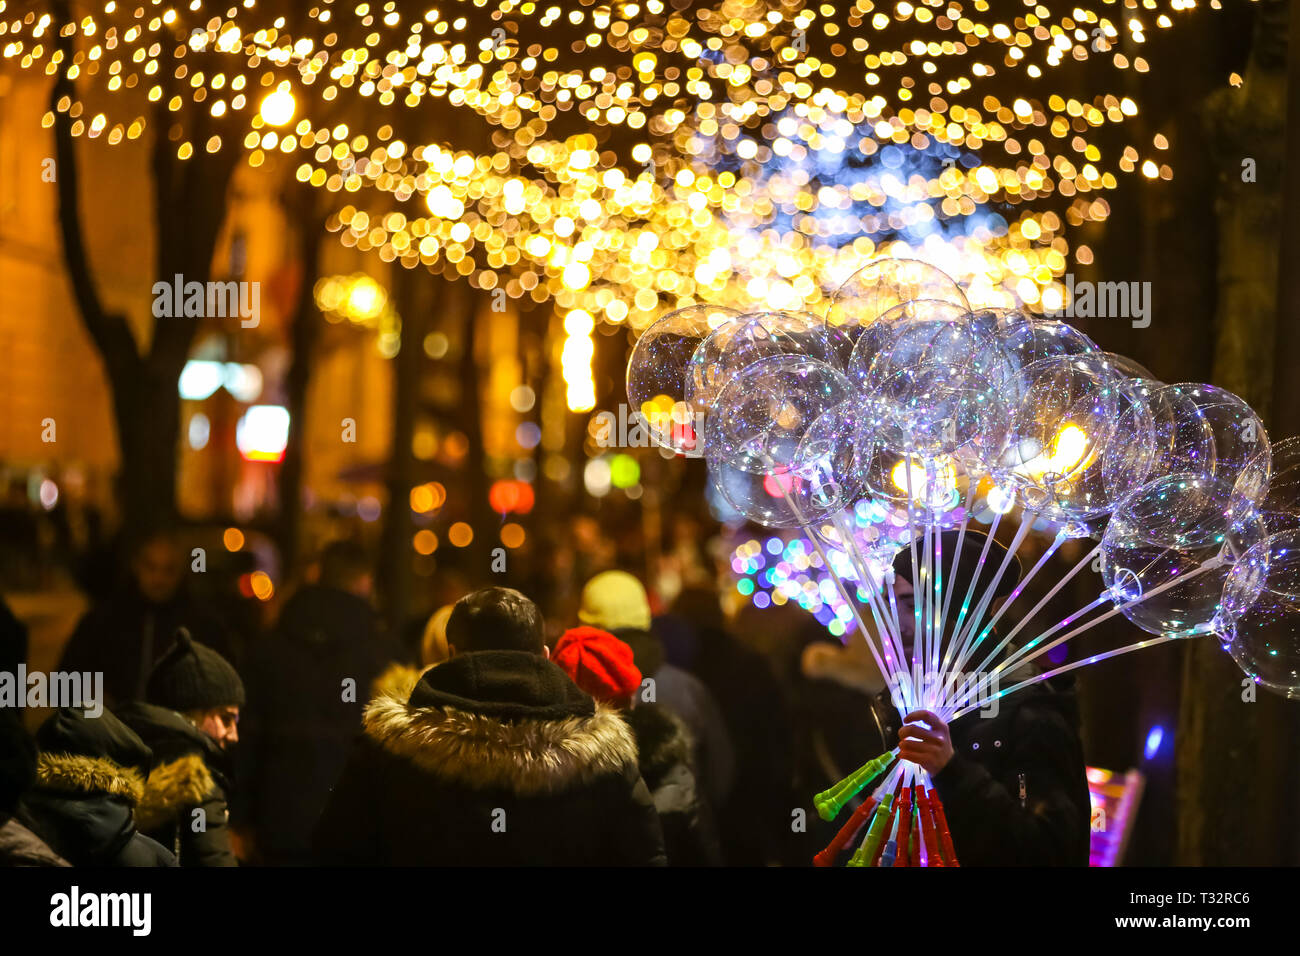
x=929, y=745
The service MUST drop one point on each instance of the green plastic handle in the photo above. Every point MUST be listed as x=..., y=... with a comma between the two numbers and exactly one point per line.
x=830, y=802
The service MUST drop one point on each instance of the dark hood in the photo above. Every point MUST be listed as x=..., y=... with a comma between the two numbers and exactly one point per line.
x=69, y=732
x=505, y=685
x=504, y=720
x=89, y=778
x=188, y=766
x=168, y=734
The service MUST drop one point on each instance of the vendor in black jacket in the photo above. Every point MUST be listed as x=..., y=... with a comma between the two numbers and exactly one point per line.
x=1011, y=776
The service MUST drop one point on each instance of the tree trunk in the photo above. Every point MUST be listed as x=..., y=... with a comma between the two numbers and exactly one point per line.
x=481, y=517
x=1236, y=743
x=189, y=207
x=416, y=294
x=306, y=213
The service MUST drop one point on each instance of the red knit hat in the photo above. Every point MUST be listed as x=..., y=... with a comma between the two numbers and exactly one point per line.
x=598, y=662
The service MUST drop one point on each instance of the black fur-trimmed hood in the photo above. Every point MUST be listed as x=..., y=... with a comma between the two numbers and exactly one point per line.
x=188, y=767
x=82, y=776
x=501, y=719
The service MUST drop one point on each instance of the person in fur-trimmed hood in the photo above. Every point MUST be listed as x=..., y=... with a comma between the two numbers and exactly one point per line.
x=494, y=758
x=89, y=778
x=189, y=720
x=602, y=665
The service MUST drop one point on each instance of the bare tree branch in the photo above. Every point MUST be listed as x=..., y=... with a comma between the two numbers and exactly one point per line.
x=109, y=331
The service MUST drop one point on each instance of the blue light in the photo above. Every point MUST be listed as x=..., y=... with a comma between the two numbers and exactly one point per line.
x=1154, y=738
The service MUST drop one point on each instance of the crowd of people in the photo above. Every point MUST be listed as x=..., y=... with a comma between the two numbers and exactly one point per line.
x=623, y=737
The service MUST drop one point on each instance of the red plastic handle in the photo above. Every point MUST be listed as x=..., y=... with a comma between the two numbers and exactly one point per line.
x=946, y=837
x=847, y=832
x=928, y=831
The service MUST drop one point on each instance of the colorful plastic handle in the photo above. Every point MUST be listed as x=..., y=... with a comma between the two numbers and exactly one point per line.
x=867, y=852
x=932, y=853
x=829, y=803
x=904, y=828
x=846, y=835
x=944, y=836
x=877, y=859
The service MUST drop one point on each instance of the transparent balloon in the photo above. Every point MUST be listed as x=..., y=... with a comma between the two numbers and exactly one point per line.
x=1259, y=623
x=746, y=338
x=1131, y=454
x=1059, y=435
x=1131, y=369
x=755, y=448
x=884, y=283
x=1174, y=529
x=826, y=457
x=657, y=379
x=936, y=484
x=1202, y=429
x=1021, y=339
x=1271, y=484
x=923, y=386
x=928, y=411
x=917, y=333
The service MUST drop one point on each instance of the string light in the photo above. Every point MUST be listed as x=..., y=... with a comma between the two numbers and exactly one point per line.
x=749, y=147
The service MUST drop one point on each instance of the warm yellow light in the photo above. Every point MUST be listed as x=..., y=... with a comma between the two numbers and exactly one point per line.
x=563, y=219
x=262, y=585
x=1067, y=452
x=945, y=477
x=576, y=276
x=365, y=300
x=278, y=108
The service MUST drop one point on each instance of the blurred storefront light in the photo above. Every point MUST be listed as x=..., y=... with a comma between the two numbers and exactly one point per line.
x=263, y=433
x=201, y=378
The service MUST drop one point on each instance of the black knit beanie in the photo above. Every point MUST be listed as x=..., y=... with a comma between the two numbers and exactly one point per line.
x=192, y=676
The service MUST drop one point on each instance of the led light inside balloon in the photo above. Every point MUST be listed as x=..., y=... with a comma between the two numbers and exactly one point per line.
x=1069, y=450
x=945, y=478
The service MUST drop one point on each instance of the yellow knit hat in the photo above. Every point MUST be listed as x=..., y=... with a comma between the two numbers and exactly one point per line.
x=613, y=600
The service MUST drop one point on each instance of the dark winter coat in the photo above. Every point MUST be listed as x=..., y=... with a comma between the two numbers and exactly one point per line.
x=19, y=846
x=496, y=759
x=124, y=637
x=666, y=759
x=189, y=774
x=89, y=779
x=687, y=697
x=1015, y=792
x=757, y=713
x=298, y=727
